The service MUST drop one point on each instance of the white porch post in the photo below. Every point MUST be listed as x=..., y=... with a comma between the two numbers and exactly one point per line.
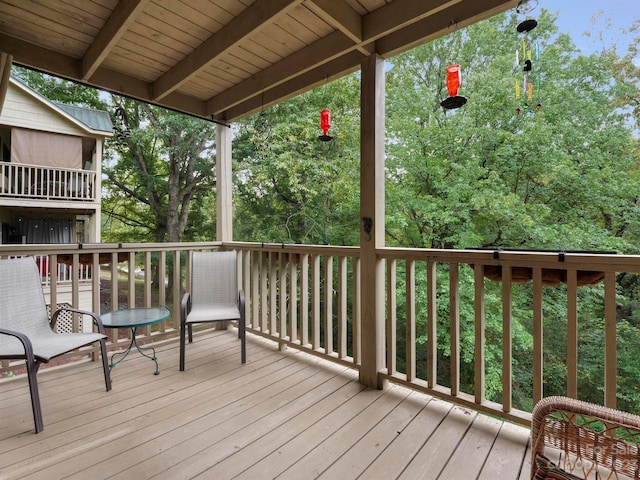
x=224, y=210
x=372, y=214
x=95, y=219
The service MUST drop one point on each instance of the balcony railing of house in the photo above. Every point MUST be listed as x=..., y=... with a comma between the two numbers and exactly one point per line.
x=63, y=273
x=437, y=303
x=38, y=182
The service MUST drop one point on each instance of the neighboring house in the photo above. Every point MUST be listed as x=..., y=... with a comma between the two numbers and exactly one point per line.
x=50, y=168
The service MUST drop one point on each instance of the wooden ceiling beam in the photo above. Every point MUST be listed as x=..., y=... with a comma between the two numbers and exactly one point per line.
x=440, y=24
x=433, y=23
x=245, y=24
x=342, y=17
x=337, y=68
x=391, y=29
x=329, y=48
x=127, y=86
x=300, y=62
x=114, y=28
x=399, y=14
x=33, y=56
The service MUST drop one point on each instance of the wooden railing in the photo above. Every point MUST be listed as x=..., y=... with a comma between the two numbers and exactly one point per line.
x=442, y=308
x=38, y=182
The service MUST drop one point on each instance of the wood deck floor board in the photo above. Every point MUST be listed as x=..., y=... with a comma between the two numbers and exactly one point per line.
x=67, y=390
x=250, y=457
x=148, y=427
x=283, y=414
x=508, y=452
x=119, y=407
x=119, y=400
x=470, y=454
x=358, y=458
x=437, y=449
x=334, y=447
x=307, y=440
x=395, y=458
x=223, y=439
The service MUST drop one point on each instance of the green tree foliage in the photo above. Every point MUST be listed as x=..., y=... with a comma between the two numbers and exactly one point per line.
x=548, y=178
x=289, y=186
x=161, y=175
x=60, y=90
x=561, y=177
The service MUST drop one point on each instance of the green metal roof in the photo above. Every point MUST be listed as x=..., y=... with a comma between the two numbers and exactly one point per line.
x=94, y=119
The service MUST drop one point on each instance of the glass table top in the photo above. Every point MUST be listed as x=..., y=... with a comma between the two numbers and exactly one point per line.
x=134, y=317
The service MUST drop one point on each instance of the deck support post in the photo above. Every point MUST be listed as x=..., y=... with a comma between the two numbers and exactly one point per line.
x=372, y=213
x=224, y=185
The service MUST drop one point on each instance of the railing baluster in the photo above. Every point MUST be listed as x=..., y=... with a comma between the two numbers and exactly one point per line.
x=356, y=321
x=264, y=295
x=282, y=293
x=410, y=335
x=304, y=299
x=293, y=297
x=610, y=340
x=432, y=335
x=507, y=360
x=538, y=331
x=572, y=333
x=273, y=292
x=343, y=295
x=162, y=284
x=479, y=364
x=454, y=328
x=392, y=319
x=175, y=290
x=131, y=280
x=148, y=280
x=255, y=259
x=328, y=302
x=315, y=303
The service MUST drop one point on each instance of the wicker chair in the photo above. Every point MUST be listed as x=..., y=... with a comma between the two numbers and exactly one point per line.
x=214, y=297
x=25, y=330
x=584, y=440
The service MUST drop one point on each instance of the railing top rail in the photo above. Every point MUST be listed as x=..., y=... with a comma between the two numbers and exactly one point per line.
x=604, y=261
x=5, y=165
x=71, y=248
x=294, y=248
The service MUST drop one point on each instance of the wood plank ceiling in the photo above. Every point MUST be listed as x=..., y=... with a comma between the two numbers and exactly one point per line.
x=220, y=59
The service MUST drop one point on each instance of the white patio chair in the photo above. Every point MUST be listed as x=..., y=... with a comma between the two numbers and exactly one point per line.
x=214, y=297
x=26, y=332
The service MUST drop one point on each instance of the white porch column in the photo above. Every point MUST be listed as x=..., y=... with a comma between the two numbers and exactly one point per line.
x=95, y=219
x=224, y=210
x=372, y=213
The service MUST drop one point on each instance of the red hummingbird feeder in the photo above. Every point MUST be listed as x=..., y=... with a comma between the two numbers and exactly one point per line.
x=454, y=81
x=325, y=124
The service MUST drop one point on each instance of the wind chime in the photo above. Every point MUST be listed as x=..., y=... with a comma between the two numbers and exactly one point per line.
x=527, y=87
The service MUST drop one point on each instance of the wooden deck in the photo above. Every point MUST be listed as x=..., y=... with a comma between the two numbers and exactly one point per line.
x=285, y=415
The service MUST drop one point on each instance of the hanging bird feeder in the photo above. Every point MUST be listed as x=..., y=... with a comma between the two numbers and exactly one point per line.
x=454, y=80
x=325, y=124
